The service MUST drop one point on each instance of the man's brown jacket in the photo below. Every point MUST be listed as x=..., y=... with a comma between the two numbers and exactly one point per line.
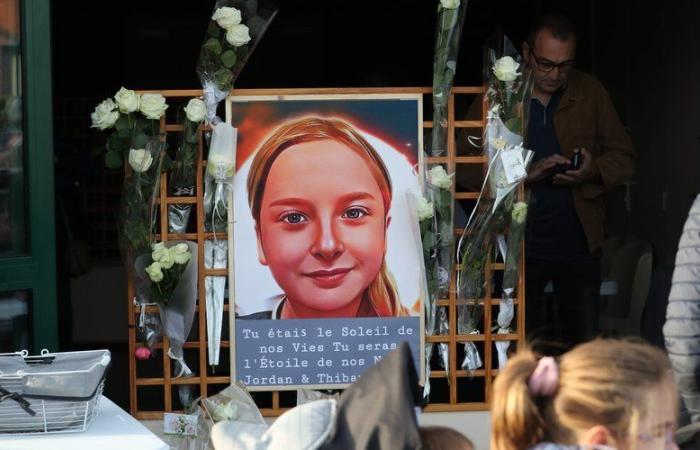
x=586, y=118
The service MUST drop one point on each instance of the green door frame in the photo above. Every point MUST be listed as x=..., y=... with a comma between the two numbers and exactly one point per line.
x=37, y=272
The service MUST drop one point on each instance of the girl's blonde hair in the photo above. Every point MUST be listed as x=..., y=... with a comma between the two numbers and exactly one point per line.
x=602, y=382
x=380, y=298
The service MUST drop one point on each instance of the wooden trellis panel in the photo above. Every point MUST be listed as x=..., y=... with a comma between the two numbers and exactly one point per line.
x=153, y=390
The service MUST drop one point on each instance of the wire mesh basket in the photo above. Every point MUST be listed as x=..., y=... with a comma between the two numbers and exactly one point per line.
x=50, y=393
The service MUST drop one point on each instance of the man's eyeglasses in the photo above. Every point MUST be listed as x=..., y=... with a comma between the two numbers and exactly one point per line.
x=547, y=66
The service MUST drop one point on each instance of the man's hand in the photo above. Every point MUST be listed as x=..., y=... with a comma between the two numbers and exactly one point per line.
x=573, y=177
x=543, y=168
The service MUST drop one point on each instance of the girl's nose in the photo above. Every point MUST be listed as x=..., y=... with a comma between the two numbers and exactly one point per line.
x=328, y=244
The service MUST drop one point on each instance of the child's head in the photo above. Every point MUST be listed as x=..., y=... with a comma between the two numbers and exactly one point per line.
x=320, y=196
x=605, y=392
x=443, y=438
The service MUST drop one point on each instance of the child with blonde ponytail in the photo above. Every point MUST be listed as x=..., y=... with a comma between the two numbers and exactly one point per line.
x=604, y=394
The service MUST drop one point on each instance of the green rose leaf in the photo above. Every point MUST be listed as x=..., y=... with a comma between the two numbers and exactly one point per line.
x=122, y=123
x=228, y=58
x=117, y=143
x=123, y=134
x=223, y=78
x=213, y=29
x=513, y=124
x=113, y=159
x=429, y=240
x=139, y=140
x=213, y=45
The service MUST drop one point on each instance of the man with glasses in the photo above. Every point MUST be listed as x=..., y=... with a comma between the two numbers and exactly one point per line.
x=571, y=117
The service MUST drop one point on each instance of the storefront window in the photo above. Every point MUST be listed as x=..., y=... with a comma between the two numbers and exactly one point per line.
x=13, y=225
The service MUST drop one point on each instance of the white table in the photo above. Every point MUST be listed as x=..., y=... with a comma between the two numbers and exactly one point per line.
x=112, y=429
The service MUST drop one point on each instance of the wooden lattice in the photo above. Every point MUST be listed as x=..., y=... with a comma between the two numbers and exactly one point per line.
x=153, y=390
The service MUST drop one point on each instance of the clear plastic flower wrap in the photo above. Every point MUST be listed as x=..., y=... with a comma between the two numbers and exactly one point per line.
x=438, y=186
x=423, y=213
x=444, y=347
x=137, y=212
x=448, y=30
x=509, y=86
x=508, y=92
x=183, y=173
x=218, y=181
x=175, y=294
x=235, y=28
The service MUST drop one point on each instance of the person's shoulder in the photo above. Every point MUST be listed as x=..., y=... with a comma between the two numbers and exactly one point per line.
x=586, y=82
x=261, y=315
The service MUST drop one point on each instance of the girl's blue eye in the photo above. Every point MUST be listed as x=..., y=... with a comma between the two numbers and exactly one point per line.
x=294, y=218
x=354, y=213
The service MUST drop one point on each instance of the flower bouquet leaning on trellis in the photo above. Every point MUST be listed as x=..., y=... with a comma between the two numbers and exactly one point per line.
x=448, y=30
x=508, y=92
x=168, y=277
x=433, y=209
x=435, y=205
x=235, y=29
x=183, y=172
x=135, y=121
x=422, y=206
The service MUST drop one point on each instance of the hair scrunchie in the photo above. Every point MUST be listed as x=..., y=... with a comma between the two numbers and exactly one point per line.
x=545, y=379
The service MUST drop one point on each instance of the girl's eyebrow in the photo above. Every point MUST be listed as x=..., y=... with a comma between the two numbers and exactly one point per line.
x=351, y=196
x=290, y=201
x=345, y=198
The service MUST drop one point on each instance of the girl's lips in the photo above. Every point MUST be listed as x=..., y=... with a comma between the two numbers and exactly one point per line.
x=328, y=278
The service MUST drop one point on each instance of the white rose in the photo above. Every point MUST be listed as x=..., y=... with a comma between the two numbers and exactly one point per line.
x=105, y=115
x=127, y=100
x=220, y=167
x=166, y=260
x=180, y=254
x=227, y=17
x=439, y=178
x=195, y=110
x=449, y=4
x=140, y=160
x=506, y=69
x=153, y=105
x=238, y=35
x=425, y=208
x=154, y=272
x=519, y=212
x=499, y=143
x=224, y=411
x=159, y=250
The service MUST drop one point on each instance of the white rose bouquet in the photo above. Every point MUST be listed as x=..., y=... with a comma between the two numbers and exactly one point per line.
x=167, y=276
x=235, y=28
x=495, y=219
x=448, y=30
x=135, y=137
x=439, y=186
x=424, y=208
x=182, y=175
x=166, y=270
x=134, y=119
x=508, y=88
x=139, y=190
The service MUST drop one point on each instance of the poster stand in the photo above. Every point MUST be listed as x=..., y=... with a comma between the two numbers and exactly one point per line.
x=152, y=389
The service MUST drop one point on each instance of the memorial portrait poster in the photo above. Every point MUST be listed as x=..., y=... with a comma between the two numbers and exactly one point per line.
x=326, y=275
